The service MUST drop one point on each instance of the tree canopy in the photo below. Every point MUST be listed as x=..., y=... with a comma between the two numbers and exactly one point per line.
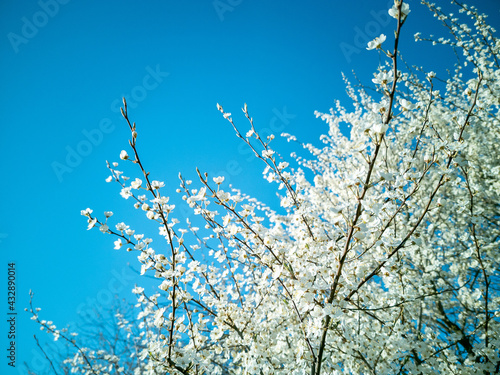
x=382, y=259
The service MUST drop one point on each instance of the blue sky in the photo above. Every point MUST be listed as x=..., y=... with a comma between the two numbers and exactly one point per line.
x=65, y=66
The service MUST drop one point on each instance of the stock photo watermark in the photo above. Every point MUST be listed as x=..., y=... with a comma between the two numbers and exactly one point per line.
x=233, y=168
x=103, y=299
x=11, y=315
x=94, y=137
x=277, y=124
x=91, y=313
x=223, y=6
x=362, y=36
x=31, y=25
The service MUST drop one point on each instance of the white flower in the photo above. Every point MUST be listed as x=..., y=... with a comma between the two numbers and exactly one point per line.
x=160, y=200
x=286, y=202
x=219, y=180
x=123, y=155
x=282, y=165
x=103, y=228
x=86, y=212
x=377, y=42
x=406, y=105
x=219, y=107
x=277, y=272
x=118, y=244
x=383, y=78
x=232, y=229
x=405, y=10
x=157, y=184
x=158, y=317
x=137, y=290
x=317, y=312
x=380, y=128
x=125, y=193
x=136, y=184
x=249, y=133
x=267, y=153
x=165, y=285
x=121, y=227
x=92, y=223
x=108, y=213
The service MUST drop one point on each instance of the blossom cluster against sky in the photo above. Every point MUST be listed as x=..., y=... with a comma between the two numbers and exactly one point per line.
x=65, y=66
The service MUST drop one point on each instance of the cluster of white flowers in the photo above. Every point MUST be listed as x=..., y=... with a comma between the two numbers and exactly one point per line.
x=386, y=261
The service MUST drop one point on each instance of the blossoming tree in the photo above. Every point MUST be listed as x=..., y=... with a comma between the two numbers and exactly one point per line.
x=383, y=259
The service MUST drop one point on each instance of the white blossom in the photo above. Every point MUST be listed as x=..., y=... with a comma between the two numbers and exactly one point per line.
x=157, y=184
x=218, y=180
x=405, y=10
x=377, y=42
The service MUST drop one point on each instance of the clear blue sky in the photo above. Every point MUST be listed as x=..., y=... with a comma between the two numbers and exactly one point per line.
x=64, y=67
